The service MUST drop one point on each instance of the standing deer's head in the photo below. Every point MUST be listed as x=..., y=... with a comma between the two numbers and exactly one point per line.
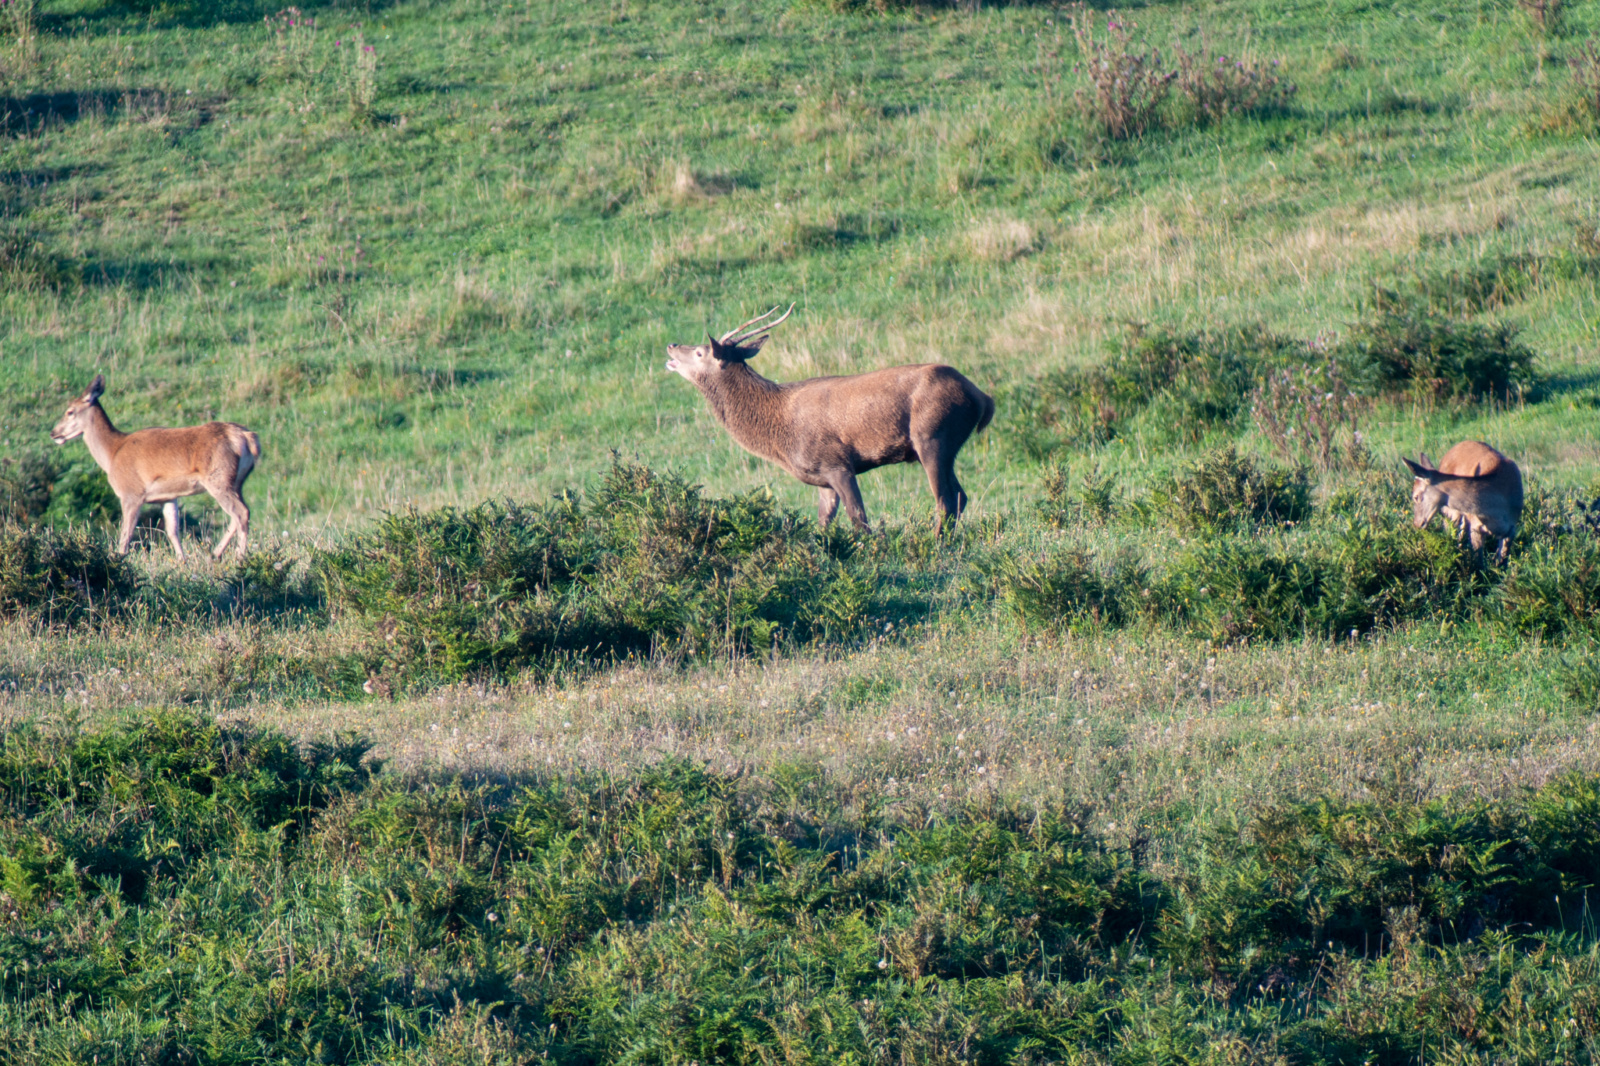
x=698, y=361
x=76, y=420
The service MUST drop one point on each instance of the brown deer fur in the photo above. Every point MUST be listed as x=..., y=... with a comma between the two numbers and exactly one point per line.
x=1478, y=490
x=162, y=465
x=825, y=431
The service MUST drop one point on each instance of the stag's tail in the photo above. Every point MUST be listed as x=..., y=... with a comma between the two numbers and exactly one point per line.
x=985, y=406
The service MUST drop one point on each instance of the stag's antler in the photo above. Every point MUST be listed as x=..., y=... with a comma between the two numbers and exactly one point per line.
x=730, y=338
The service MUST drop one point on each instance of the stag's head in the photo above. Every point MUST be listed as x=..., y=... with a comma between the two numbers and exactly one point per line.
x=76, y=419
x=699, y=361
x=1427, y=495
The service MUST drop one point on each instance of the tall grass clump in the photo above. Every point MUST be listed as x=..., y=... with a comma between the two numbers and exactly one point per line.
x=1584, y=64
x=1128, y=82
x=1224, y=490
x=1311, y=417
x=646, y=565
x=58, y=574
x=1215, y=86
x=1068, y=590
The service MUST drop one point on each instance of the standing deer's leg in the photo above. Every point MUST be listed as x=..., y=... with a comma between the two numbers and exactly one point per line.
x=844, y=485
x=239, y=526
x=171, y=520
x=827, y=506
x=130, y=518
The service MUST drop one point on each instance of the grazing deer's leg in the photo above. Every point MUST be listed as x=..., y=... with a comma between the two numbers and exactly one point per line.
x=827, y=506
x=844, y=484
x=1504, y=553
x=171, y=520
x=130, y=518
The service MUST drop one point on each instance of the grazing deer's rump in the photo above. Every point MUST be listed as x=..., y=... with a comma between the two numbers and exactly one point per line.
x=827, y=430
x=1476, y=489
x=163, y=465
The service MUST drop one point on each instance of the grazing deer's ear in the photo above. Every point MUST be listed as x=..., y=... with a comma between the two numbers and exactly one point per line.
x=1429, y=463
x=1416, y=469
x=96, y=387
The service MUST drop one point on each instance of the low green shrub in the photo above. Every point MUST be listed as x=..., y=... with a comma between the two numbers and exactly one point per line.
x=1171, y=386
x=81, y=493
x=58, y=574
x=1361, y=577
x=1223, y=491
x=646, y=565
x=25, y=481
x=1406, y=348
x=1553, y=589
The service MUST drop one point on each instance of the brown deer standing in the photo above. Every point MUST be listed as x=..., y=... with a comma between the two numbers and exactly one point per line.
x=162, y=465
x=1478, y=490
x=825, y=431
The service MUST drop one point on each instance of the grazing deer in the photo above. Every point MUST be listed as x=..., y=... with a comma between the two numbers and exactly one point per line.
x=1478, y=490
x=161, y=465
x=825, y=431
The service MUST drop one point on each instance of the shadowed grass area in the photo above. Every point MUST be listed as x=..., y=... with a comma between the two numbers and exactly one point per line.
x=650, y=912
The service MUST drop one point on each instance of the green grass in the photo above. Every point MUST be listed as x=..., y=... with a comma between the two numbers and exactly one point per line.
x=542, y=722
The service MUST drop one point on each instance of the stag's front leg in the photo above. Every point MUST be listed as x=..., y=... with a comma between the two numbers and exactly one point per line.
x=844, y=483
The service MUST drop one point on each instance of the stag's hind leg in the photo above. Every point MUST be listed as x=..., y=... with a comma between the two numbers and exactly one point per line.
x=939, y=464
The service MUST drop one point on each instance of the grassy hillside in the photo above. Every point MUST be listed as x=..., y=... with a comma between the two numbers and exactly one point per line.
x=542, y=724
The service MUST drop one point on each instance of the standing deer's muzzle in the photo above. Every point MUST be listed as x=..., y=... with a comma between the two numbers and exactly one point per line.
x=65, y=430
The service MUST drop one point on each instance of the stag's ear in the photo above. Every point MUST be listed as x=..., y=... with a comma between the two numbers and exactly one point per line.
x=736, y=353
x=96, y=387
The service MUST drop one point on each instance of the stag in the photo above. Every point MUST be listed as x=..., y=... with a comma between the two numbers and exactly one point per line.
x=163, y=465
x=825, y=431
x=1475, y=488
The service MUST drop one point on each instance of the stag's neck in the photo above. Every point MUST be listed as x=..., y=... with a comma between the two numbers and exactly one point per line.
x=102, y=438
x=750, y=407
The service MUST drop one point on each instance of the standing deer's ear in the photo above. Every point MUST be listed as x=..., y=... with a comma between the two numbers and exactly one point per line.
x=96, y=387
